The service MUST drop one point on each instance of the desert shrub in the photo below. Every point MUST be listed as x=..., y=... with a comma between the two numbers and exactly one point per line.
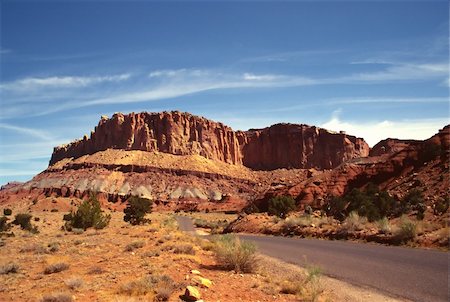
x=354, y=222
x=235, y=255
x=384, y=226
x=413, y=201
x=336, y=207
x=364, y=203
x=134, y=245
x=290, y=223
x=136, y=210
x=184, y=249
x=59, y=297
x=33, y=248
x=251, y=208
x=89, y=214
x=74, y=283
x=413, y=197
x=7, y=212
x=281, y=205
x=4, y=225
x=56, y=268
x=371, y=203
x=53, y=247
x=165, y=287
x=24, y=221
x=441, y=206
x=140, y=286
x=407, y=230
x=96, y=270
x=420, y=211
x=308, y=210
x=10, y=268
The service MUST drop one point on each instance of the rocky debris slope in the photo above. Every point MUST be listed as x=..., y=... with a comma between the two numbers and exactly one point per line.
x=421, y=165
x=278, y=146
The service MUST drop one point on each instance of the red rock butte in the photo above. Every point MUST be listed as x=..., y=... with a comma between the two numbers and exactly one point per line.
x=179, y=133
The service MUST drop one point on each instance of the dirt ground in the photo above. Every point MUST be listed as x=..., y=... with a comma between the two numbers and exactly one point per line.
x=110, y=264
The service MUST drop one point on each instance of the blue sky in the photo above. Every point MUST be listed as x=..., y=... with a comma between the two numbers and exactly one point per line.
x=374, y=69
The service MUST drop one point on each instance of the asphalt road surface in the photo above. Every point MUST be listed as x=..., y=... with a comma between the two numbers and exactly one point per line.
x=414, y=274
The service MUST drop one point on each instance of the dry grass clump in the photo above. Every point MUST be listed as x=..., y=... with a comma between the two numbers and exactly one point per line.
x=187, y=249
x=354, y=222
x=161, y=285
x=59, y=297
x=33, y=248
x=407, y=230
x=307, y=286
x=10, y=268
x=56, y=268
x=134, y=245
x=384, y=226
x=74, y=283
x=232, y=254
x=96, y=270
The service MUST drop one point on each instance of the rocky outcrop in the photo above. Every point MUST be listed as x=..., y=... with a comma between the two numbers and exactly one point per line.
x=299, y=146
x=422, y=165
x=390, y=146
x=278, y=146
x=170, y=132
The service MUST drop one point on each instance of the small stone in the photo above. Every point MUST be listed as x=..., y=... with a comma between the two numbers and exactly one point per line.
x=202, y=281
x=192, y=293
x=195, y=272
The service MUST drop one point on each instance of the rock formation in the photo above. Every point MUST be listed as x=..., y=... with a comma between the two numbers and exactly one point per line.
x=299, y=146
x=278, y=146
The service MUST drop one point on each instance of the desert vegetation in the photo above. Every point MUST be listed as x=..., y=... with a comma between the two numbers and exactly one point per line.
x=126, y=262
x=136, y=210
x=88, y=215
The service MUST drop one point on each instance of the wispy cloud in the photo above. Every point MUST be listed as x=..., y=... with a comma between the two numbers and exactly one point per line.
x=34, y=83
x=377, y=130
x=43, y=135
x=4, y=51
x=360, y=100
x=396, y=72
x=173, y=83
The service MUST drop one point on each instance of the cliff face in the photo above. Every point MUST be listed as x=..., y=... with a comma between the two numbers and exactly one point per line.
x=278, y=146
x=299, y=146
x=169, y=132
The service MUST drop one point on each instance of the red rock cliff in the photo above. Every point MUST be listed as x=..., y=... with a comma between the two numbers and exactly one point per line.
x=278, y=146
x=170, y=132
x=299, y=146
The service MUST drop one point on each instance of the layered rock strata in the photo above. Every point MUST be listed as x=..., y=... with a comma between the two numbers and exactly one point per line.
x=278, y=146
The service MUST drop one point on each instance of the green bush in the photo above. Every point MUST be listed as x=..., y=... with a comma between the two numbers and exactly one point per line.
x=413, y=197
x=4, y=225
x=441, y=206
x=371, y=203
x=251, y=208
x=136, y=210
x=235, y=255
x=7, y=212
x=336, y=207
x=89, y=214
x=24, y=220
x=281, y=205
x=407, y=230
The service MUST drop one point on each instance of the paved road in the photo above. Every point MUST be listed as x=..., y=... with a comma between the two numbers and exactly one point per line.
x=415, y=274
